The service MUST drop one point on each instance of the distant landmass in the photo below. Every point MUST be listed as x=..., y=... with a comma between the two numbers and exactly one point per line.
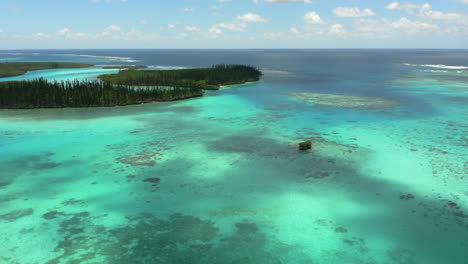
x=202, y=78
x=10, y=69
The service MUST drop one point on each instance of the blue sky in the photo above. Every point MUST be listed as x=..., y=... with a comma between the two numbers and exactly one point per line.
x=34, y=24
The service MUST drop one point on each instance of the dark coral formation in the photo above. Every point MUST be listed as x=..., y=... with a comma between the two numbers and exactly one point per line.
x=52, y=214
x=41, y=161
x=152, y=180
x=319, y=175
x=149, y=239
x=407, y=197
x=14, y=215
x=246, y=227
x=341, y=230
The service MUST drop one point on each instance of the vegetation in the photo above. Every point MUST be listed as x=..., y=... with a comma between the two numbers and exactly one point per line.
x=306, y=145
x=43, y=94
x=129, y=86
x=201, y=78
x=9, y=69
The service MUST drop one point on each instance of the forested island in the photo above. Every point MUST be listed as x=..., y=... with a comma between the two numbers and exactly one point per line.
x=202, y=78
x=10, y=69
x=129, y=86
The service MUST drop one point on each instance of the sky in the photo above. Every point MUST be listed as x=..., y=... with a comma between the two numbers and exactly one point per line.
x=208, y=24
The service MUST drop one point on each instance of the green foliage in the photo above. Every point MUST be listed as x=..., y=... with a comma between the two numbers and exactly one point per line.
x=9, y=69
x=201, y=78
x=43, y=94
x=306, y=145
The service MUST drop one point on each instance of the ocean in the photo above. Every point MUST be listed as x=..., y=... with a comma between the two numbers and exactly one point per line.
x=219, y=179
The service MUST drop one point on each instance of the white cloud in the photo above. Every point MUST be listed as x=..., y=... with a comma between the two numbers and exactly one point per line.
x=192, y=28
x=453, y=18
x=463, y=1
x=187, y=9
x=406, y=6
x=215, y=30
x=252, y=18
x=231, y=26
x=113, y=28
x=337, y=29
x=313, y=18
x=294, y=30
x=64, y=31
x=386, y=28
x=353, y=12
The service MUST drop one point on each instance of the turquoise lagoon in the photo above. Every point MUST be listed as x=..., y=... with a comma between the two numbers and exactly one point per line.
x=219, y=179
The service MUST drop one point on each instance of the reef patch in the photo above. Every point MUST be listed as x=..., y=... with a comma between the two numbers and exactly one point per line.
x=140, y=159
x=14, y=215
x=343, y=101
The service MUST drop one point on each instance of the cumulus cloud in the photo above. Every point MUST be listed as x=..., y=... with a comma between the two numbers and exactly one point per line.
x=113, y=28
x=192, y=28
x=387, y=28
x=426, y=11
x=294, y=30
x=313, y=19
x=231, y=26
x=252, y=18
x=337, y=29
x=64, y=31
x=406, y=6
x=215, y=30
x=353, y=12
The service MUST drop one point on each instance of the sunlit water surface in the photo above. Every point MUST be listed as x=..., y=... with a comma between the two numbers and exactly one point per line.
x=219, y=179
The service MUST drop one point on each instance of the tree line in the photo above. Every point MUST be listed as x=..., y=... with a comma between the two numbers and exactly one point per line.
x=124, y=88
x=41, y=93
x=201, y=78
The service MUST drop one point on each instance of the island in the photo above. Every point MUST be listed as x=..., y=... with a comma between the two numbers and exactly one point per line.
x=202, y=78
x=129, y=86
x=10, y=69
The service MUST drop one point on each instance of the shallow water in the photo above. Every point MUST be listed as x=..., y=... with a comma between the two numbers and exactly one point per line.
x=219, y=179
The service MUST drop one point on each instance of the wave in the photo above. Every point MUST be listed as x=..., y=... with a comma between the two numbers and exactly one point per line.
x=439, y=66
x=432, y=71
x=166, y=67
x=108, y=58
x=278, y=72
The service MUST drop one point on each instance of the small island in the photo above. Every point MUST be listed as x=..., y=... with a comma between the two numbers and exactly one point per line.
x=202, y=78
x=10, y=69
x=129, y=86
